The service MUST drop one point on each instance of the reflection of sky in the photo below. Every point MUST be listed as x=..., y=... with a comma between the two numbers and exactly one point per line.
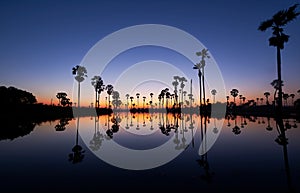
x=251, y=159
x=42, y=41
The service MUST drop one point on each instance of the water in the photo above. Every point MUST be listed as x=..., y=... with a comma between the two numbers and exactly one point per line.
x=250, y=161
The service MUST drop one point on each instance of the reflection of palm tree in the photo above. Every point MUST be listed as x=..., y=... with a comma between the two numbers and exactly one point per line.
x=77, y=154
x=278, y=39
x=61, y=126
x=283, y=140
x=80, y=72
x=97, y=139
x=236, y=130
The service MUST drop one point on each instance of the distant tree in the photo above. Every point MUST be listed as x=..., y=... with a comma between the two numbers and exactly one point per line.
x=241, y=97
x=285, y=96
x=137, y=99
x=116, y=99
x=234, y=92
x=276, y=23
x=267, y=94
x=227, y=99
x=13, y=96
x=99, y=87
x=292, y=96
x=127, y=102
x=109, y=89
x=60, y=96
x=214, y=92
x=131, y=100
x=275, y=84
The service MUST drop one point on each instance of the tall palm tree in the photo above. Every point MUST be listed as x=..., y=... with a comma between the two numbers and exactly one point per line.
x=109, y=89
x=234, y=92
x=267, y=94
x=80, y=74
x=214, y=92
x=201, y=65
x=276, y=23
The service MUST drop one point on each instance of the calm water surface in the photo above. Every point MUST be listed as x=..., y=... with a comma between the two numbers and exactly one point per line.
x=244, y=158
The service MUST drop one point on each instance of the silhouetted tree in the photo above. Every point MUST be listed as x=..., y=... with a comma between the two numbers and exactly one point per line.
x=200, y=66
x=292, y=96
x=80, y=73
x=276, y=23
x=234, y=92
x=60, y=96
x=127, y=102
x=99, y=87
x=175, y=83
x=109, y=89
x=137, y=99
x=285, y=96
x=13, y=96
x=267, y=94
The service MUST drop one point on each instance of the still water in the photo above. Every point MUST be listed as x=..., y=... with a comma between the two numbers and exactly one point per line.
x=152, y=152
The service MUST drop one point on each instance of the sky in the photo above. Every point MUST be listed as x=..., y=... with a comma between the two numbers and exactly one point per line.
x=42, y=40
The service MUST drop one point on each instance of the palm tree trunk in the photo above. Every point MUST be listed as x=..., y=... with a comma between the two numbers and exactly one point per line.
x=279, y=110
x=78, y=103
x=200, y=85
x=204, y=100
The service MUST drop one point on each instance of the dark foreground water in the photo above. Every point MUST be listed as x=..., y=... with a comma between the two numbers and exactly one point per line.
x=144, y=156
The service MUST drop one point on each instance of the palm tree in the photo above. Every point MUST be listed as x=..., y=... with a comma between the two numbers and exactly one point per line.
x=241, y=96
x=234, y=92
x=109, y=89
x=261, y=101
x=131, y=100
x=285, y=96
x=257, y=99
x=151, y=96
x=201, y=65
x=99, y=86
x=144, y=100
x=276, y=85
x=227, y=99
x=182, y=80
x=276, y=23
x=60, y=96
x=292, y=96
x=79, y=72
x=127, y=97
x=267, y=94
x=175, y=83
x=214, y=92
x=137, y=98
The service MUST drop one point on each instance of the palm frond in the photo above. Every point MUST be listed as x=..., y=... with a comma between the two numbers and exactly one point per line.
x=265, y=25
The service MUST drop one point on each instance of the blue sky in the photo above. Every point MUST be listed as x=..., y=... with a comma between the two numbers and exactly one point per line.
x=42, y=40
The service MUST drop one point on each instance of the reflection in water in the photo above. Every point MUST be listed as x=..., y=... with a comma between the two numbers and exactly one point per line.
x=179, y=127
x=14, y=128
x=77, y=154
x=61, y=126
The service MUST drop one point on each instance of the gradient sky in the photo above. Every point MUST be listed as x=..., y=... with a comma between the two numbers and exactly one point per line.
x=40, y=41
